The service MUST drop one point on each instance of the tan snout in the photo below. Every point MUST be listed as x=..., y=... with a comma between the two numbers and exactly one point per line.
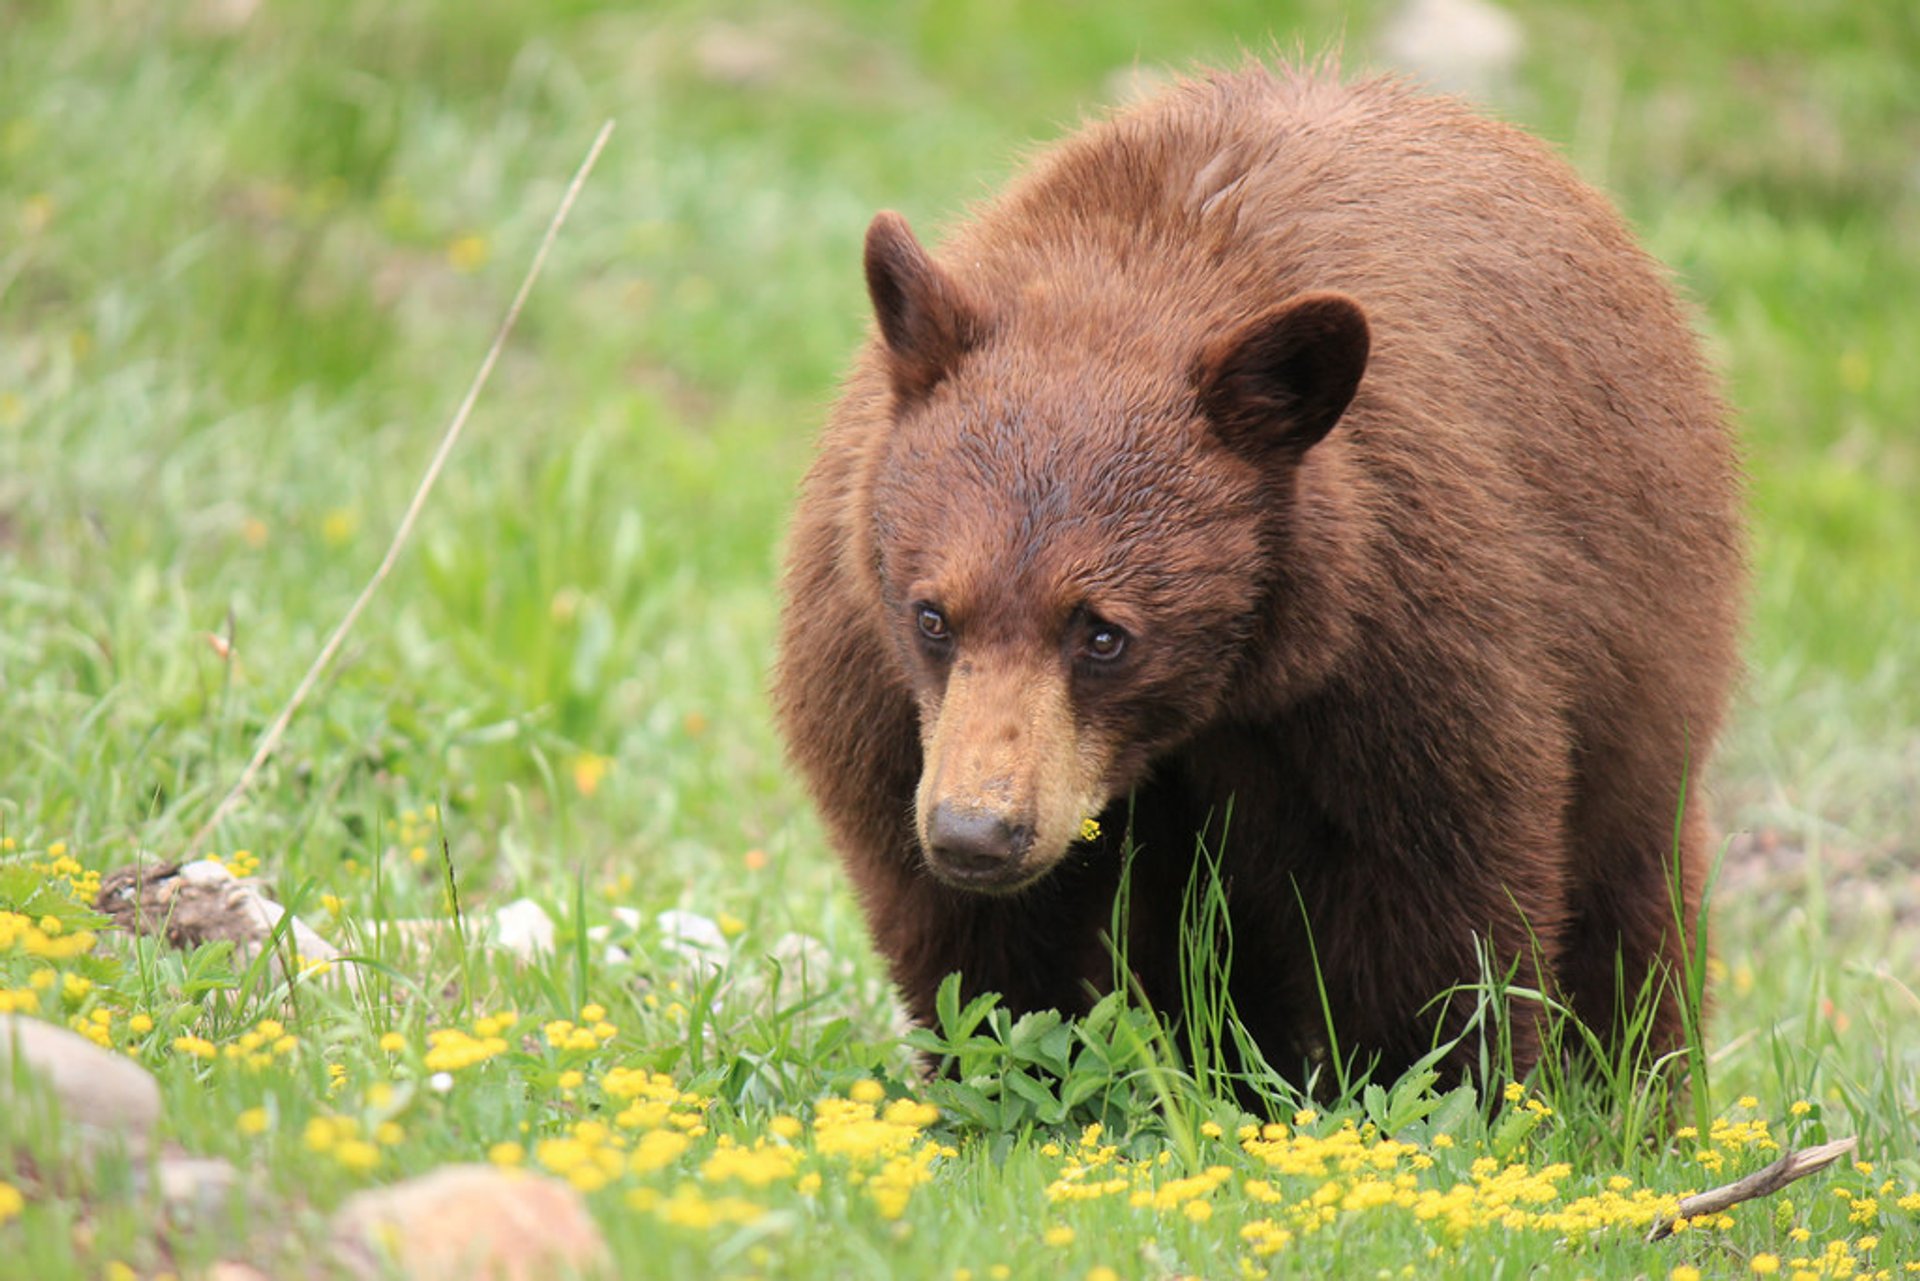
x=1008, y=777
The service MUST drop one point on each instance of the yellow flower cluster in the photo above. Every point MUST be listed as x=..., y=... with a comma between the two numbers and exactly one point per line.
x=768, y=1160
x=652, y=1100
x=342, y=1138
x=11, y=1201
x=83, y=884
x=255, y=1048
x=861, y=1141
x=450, y=1048
x=851, y=1128
x=590, y=1033
x=655, y=1128
x=96, y=1024
x=590, y=1157
x=46, y=938
x=241, y=862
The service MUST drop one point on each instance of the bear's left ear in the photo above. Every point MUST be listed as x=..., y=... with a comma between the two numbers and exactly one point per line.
x=926, y=319
x=1281, y=381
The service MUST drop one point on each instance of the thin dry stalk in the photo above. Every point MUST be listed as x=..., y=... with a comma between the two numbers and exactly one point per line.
x=1789, y=1168
x=271, y=739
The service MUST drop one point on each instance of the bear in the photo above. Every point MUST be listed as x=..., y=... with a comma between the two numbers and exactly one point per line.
x=1302, y=472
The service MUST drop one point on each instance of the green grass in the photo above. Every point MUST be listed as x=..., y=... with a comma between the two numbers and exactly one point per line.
x=245, y=273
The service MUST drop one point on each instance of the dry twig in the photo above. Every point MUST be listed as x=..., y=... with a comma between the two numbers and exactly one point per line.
x=271, y=739
x=1789, y=1168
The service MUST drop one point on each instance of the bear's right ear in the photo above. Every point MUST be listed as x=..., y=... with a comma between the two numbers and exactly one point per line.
x=925, y=317
x=1281, y=381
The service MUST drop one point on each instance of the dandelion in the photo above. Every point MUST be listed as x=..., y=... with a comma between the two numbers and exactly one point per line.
x=253, y=1122
x=1764, y=1264
x=357, y=1155
x=1058, y=1235
x=589, y=771
x=467, y=253
x=197, y=1046
x=338, y=525
x=11, y=1201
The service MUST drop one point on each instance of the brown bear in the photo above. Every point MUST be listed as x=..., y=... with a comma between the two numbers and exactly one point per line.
x=1319, y=455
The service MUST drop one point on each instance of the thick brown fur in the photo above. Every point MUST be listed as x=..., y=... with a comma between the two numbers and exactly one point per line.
x=1321, y=453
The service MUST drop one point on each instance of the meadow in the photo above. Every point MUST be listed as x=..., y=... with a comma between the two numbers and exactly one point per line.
x=249, y=258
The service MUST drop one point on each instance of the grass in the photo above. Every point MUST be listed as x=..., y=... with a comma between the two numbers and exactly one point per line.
x=246, y=268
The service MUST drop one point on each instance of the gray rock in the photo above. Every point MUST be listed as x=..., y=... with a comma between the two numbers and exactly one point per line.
x=195, y=1187
x=103, y=1093
x=470, y=1223
x=1469, y=47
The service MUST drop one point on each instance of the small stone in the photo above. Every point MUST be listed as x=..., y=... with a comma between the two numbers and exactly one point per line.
x=523, y=928
x=693, y=938
x=470, y=1223
x=228, y=1270
x=1469, y=47
x=103, y=1093
x=195, y=1187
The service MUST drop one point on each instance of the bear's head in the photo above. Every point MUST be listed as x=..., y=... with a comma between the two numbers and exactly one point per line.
x=1074, y=530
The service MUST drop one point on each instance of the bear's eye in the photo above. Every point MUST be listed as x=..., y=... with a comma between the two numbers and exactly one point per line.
x=933, y=625
x=1105, y=642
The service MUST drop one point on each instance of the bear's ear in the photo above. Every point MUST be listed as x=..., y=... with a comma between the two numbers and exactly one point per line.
x=1281, y=381
x=925, y=318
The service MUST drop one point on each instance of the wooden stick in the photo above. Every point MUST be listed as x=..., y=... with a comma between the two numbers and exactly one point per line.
x=271, y=739
x=1789, y=1168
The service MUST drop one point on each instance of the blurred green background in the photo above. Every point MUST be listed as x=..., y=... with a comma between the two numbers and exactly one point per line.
x=250, y=254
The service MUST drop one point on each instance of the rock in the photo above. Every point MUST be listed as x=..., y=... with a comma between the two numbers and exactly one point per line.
x=104, y=1094
x=693, y=938
x=1469, y=47
x=802, y=965
x=195, y=1187
x=470, y=1223
x=523, y=928
x=228, y=1270
x=201, y=902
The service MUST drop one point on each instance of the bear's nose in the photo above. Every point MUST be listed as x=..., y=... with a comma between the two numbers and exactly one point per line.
x=975, y=843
